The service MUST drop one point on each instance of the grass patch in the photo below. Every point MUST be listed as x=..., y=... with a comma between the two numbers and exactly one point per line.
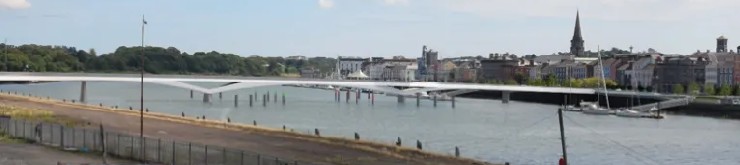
x=5, y=138
x=35, y=115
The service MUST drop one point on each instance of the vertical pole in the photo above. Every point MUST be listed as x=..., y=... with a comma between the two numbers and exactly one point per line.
x=264, y=100
x=418, y=96
x=241, y=162
x=357, y=96
x=159, y=150
x=274, y=100
x=435, y=100
x=84, y=138
x=453, y=101
x=83, y=91
x=190, y=153
x=267, y=96
x=372, y=98
x=191, y=94
x=206, y=155
x=141, y=110
x=250, y=100
x=562, y=135
x=220, y=95
x=236, y=100
x=174, y=151
x=283, y=98
x=61, y=132
x=347, y=101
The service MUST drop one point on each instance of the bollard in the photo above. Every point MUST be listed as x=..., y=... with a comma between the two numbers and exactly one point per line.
x=254, y=122
x=64, y=100
x=147, y=109
x=129, y=108
x=250, y=100
x=398, y=142
x=204, y=117
x=116, y=107
x=101, y=104
x=418, y=144
x=283, y=127
x=316, y=132
x=357, y=136
x=457, y=152
x=228, y=120
x=183, y=114
x=73, y=100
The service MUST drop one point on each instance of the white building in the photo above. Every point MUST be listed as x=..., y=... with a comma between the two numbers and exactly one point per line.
x=348, y=65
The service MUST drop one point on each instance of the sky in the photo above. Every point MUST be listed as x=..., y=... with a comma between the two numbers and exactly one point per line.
x=369, y=28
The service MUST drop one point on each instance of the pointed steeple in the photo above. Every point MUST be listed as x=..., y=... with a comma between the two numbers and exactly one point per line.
x=576, y=44
x=577, y=32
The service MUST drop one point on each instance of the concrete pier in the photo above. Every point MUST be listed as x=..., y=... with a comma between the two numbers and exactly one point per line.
x=250, y=100
x=453, y=102
x=505, y=96
x=236, y=100
x=206, y=98
x=418, y=98
x=83, y=92
x=435, y=100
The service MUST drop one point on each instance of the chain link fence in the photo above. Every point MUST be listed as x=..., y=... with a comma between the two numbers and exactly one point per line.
x=130, y=147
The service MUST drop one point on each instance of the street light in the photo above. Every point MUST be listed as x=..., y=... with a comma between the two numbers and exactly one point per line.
x=141, y=111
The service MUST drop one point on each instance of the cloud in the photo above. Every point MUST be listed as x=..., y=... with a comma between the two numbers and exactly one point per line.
x=633, y=10
x=14, y=4
x=326, y=4
x=396, y=2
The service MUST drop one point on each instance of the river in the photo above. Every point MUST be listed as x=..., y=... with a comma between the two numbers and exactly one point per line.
x=517, y=132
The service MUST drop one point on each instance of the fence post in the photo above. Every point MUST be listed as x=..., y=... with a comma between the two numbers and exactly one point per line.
x=84, y=138
x=73, y=137
x=159, y=150
x=190, y=153
x=61, y=139
x=24, y=129
x=173, y=153
x=132, y=146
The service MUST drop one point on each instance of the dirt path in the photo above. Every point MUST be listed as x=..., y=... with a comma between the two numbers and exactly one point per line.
x=283, y=145
x=30, y=154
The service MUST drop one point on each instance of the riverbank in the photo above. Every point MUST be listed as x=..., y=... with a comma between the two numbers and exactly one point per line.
x=268, y=141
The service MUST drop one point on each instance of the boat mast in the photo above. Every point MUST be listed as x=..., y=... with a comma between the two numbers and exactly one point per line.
x=562, y=135
x=603, y=80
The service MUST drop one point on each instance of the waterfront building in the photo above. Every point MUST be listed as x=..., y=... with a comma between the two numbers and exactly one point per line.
x=347, y=65
x=428, y=65
x=498, y=68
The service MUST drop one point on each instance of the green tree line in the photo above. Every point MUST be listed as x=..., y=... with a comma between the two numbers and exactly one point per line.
x=158, y=60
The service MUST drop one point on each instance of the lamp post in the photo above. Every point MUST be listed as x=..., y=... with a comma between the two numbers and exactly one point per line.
x=141, y=111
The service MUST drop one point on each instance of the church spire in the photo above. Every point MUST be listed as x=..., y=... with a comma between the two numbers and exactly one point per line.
x=576, y=44
x=577, y=31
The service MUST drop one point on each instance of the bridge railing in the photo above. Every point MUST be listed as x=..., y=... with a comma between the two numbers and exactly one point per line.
x=126, y=146
x=665, y=104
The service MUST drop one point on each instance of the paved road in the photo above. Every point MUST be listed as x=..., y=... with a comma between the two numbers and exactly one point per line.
x=256, y=141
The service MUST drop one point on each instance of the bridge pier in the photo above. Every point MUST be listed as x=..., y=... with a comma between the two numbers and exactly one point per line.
x=453, y=102
x=505, y=96
x=206, y=98
x=83, y=92
x=347, y=101
x=236, y=100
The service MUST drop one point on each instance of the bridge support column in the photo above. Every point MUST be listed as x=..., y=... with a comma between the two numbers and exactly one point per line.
x=435, y=100
x=453, y=102
x=347, y=96
x=206, y=98
x=505, y=96
x=236, y=100
x=83, y=92
x=401, y=99
x=418, y=97
x=357, y=96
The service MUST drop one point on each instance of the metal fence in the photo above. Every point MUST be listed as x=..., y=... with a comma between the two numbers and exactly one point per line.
x=129, y=146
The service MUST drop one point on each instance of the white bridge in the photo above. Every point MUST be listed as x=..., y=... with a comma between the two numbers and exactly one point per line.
x=234, y=83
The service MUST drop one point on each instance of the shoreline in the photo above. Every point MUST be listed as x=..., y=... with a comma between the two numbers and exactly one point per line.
x=389, y=150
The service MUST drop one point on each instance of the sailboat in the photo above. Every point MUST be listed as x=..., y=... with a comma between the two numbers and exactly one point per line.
x=594, y=108
x=629, y=112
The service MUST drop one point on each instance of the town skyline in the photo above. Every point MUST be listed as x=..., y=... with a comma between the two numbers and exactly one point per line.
x=404, y=26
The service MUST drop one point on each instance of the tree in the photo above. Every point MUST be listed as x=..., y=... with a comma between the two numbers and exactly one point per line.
x=725, y=90
x=693, y=88
x=678, y=89
x=709, y=89
x=511, y=82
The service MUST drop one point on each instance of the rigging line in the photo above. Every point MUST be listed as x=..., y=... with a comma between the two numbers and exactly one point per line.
x=615, y=142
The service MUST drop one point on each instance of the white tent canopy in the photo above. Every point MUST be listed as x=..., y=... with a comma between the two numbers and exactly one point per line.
x=357, y=75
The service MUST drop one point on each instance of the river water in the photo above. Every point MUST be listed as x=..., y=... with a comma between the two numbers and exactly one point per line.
x=517, y=132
